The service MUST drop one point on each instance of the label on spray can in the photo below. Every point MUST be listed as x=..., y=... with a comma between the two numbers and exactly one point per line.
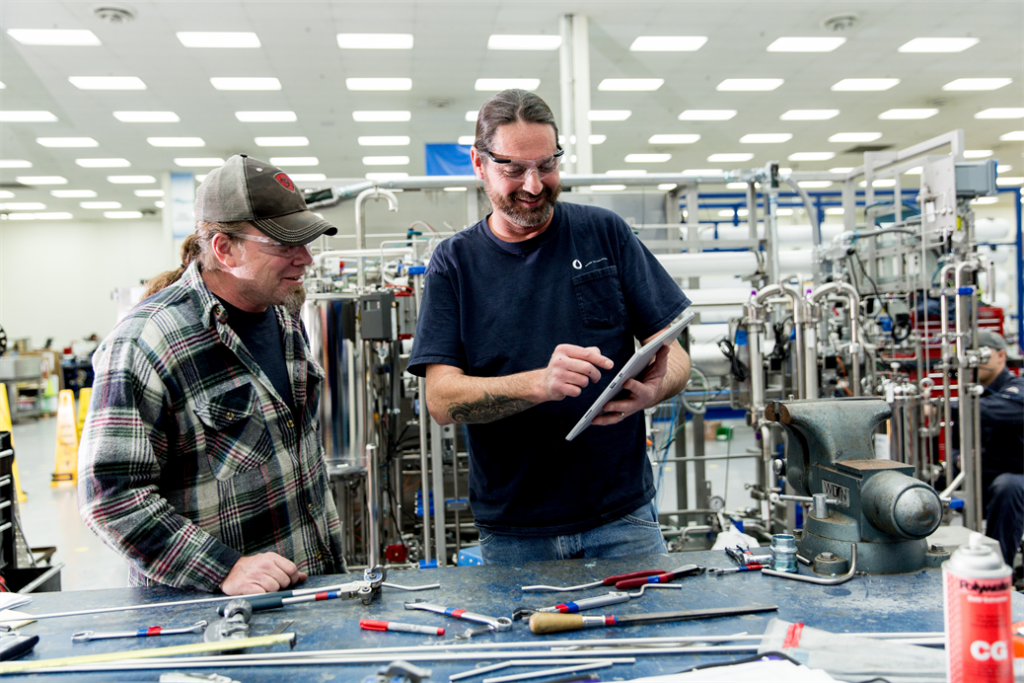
x=977, y=587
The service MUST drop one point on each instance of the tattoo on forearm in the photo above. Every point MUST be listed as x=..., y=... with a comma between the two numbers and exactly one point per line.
x=487, y=409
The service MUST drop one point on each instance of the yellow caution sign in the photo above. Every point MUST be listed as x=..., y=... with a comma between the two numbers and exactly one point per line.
x=5, y=426
x=67, y=439
x=84, y=395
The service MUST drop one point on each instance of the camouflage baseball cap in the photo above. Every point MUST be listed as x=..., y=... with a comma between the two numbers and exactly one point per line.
x=247, y=189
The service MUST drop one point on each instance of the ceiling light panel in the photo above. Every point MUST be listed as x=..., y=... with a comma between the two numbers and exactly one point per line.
x=809, y=115
x=15, y=163
x=750, y=84
x=666, y=187
x=854, y=137
x=245, y=83
x=100, y=205
x=766, y=138
x=176, y=142
x=146, y=116
x=375, y=41
x=647, y=158
x=908, y=114
x=107, y=82
x=938, y=44
x=707, y=115
x=73, y=194
x=131, y=179
x=596, y=139
x=668, y=43
x=42, y=180
x=1004, y=181
x=522, y=42
x=977, y=153
x=149, y=193
x=465, y=139
x=865, y=84
x=806, y=44
x=1000, y=113
x=730, y=158
x=609, y=114
x=977, y=84
x=841, y=169
x=23, y=206
x=378, y=84
x=386, y=161
x=631, y=84
x=42, y=36
x=385, y=116
x=266, y=116
x=1013, y=136
x=498, y=84
x=811, y=156
x=26, y=117
x=295, y=141
x=223, y=39
x=385, y=140
x=202, y=162
x=67, y=142
x=49, y=216
x=103, y=163
x=471, y=116
x=294, y=161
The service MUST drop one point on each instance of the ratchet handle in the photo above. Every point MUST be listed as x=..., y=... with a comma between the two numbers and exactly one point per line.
x=614, y=580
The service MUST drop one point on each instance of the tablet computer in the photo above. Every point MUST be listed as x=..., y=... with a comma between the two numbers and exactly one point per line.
x=633, y=367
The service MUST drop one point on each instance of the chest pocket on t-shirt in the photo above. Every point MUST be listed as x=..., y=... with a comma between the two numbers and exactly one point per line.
x=236, y=433
x=599, y=296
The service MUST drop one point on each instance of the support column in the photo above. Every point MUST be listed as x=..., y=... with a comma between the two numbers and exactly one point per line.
x=574, y=60
x=178, y=218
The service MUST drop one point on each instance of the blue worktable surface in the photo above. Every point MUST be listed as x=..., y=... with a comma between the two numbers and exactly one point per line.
x=896, y=603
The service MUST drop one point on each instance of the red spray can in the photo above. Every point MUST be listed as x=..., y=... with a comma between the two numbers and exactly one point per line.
x=977, y=585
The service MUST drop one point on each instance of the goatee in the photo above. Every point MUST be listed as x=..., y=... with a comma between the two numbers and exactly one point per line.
x=294, y=299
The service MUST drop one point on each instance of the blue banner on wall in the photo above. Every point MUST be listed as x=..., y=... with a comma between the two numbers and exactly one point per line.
x=448, y=159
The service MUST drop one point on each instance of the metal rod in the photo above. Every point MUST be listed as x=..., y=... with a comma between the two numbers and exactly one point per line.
x=834, y=581
x=373, y=507
x=469, y=673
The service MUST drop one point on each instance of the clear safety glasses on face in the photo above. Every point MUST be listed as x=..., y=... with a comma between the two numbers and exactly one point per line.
x=269, y=246
x=517, y=169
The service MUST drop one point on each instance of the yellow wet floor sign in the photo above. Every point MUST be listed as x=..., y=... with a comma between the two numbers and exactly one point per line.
x=66, y=468
x=84, y=394
x=5, y=426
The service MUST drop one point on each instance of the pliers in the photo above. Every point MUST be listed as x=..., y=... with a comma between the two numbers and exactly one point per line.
x=624, y=581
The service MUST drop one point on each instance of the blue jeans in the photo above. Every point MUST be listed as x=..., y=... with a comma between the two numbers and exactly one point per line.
x=637, y=533
x=1004, y=513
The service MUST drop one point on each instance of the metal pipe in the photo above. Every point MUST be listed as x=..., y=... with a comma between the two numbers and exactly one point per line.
x=969, y=458
x=373, y=507
x=853, y=304
x=757, y=391
x=798, y=327
x=834, y=581
x=375, y=193
x=339, y=194
x=947, y=410
x=421, y=385
x=810, y=354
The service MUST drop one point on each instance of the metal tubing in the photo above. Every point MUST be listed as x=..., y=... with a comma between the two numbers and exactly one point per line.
x=969, y=458
x=799, y=318
x=853, y=304
x=424, y=417
x=375, y=193
x=372, y=507
x=835, y=581
x=947, y=410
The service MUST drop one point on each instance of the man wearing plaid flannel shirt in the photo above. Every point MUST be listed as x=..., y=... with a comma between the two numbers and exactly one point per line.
x=201, y=461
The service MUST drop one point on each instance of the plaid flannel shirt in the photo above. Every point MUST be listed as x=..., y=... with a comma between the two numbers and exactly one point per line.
x=189, y=457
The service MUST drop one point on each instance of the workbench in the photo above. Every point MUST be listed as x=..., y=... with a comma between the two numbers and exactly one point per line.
x=893, y=603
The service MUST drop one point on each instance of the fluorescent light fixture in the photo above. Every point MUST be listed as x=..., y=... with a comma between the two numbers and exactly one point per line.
x=42, y=180
x=26, y=116
x=784, y=212
x=917, y=170
x=386, y=176
x=50, y=216
x=668, y=43
x=667, y=187
x=67, y=142
x=159, y=204
x=107, y=82
x=728, y=213
x=854, y=137
x=609, y=114
x=131, y=179
x=630, y=84
x=218, y=39
x=15, y=163
x=707, y=115
x=1013, y=136
x=596, y=139
x=1000, y=113
x=23, y=206
x=296, y=141
x=815, y=184
x=378, y=83
x=865, y=84
x=512, y=42
x=761, y=138
x=730, y=158
x=938, y=44
x=806, y=44
x=455, y=189
x=100, y=205
x=384, y=140
x=835, y=211
x=811, y=156
x=204, y=162
x=246, y=83
x=977, y=153
x=122, y=214
x=5, y=194
x=103, y=163
x=294, y=161
x=472, y=115
x=384, y=116
x=1004, y=168
x=977, y=84
x=985, y=200
x=693, y=172
x=386, y=161
x=176, y=142
x=809, y=115
x=627, y=172
x=201, y=177
x=266, y=116
x=149, y=193
x=375, y=41
x=750, y=84
x=908, y=114
x=735, y=186
x=647, y=158
x=73, y=194
x=841, y=169
x=3, y=86
x=607, y=188
x=53, y=36
x=1008, y=180
x=467, y=139
x=496, y=84
x=146, y=116
x=881, y=182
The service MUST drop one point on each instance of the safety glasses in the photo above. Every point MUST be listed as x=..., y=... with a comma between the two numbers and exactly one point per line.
x=516, y=169
x=269, y=246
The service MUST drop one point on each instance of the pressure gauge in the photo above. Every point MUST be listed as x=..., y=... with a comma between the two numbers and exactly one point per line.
x=716, y=503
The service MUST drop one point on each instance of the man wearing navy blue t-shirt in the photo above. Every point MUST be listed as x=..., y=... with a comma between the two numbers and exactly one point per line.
x=526, y=317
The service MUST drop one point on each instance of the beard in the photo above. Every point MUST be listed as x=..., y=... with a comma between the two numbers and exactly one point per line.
x=294, y=299
x=522, y=216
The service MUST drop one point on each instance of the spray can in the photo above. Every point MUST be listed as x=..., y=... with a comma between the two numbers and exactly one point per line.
x=977, y=585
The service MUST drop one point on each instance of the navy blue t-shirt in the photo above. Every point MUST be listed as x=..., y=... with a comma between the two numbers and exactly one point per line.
x=495, y=308
x=261, y=335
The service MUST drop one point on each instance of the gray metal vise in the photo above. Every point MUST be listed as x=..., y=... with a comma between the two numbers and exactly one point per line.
x=858, y=498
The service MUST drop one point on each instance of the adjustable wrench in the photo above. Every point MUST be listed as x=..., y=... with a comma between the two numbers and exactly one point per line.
x=494, y=623
x=85, y=636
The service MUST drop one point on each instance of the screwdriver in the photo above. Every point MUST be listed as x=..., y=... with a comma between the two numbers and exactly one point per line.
x=685, y=570
x=542, y=623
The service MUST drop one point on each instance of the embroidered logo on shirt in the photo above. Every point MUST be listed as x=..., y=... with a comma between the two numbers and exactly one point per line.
x=1013, y=389
x=577, y=265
